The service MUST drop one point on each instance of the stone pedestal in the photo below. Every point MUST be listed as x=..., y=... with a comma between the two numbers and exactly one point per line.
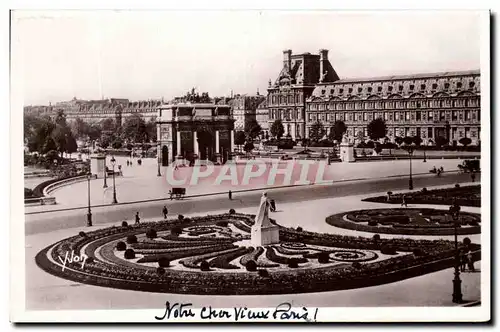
x=347, y=152
x=98, y=165
x=265, y=235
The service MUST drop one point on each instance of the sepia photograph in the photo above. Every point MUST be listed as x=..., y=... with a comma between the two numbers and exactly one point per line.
x=250, y=166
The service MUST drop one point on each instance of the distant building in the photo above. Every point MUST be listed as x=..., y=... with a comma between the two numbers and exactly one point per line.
x=244, y=109
x=262, y=117
x=93, y=111
x=308, y=90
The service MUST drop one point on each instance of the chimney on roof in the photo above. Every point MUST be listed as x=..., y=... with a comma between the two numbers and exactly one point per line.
x=287, y=59
x=323, y=59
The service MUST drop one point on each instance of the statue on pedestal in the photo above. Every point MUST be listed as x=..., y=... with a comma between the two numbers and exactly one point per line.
x=263, y=232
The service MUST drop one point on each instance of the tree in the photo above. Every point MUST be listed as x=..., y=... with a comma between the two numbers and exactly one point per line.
x=417, y=140
x=94, y=132
x=361, y=136
x=277, y=129
x=117, y=143
x=134, y=129
x=248, y=147
x=317, y=131
x=377, y=129
x=408, y=140
x=151, y=129
x=440, y=141
x=71, y=145
x=239, y=138
x=48, y=145
x=79, y=128
x=252, y=128
x=465, y=141
x=398, y=140
x=337, y=131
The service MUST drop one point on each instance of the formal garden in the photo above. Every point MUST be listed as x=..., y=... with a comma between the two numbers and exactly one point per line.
x=407, y=222
x=212, y=255
x=465, y=196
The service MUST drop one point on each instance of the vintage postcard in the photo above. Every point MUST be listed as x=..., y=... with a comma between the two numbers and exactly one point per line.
x=250, y=166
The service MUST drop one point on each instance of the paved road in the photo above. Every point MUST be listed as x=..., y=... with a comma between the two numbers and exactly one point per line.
x=51, y=221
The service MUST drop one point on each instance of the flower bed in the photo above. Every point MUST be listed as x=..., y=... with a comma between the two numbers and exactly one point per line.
x=406, y=222
x=117, y=272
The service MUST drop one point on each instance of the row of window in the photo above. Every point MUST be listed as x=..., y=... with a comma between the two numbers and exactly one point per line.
x=391, y=104
x=424, y=132
x=285, y=99
x=399, y=87
x=465, y=115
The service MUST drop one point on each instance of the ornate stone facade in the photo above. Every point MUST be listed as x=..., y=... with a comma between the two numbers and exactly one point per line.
x=286, y=99
x=426, y=105
x=194, y=131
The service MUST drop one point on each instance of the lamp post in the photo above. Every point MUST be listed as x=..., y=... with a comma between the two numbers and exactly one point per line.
x=158, y=160
x=89, y=213
x=113, y=162
x=105, y=185
x=425, y=157
x=410, y=148
x=457, y=283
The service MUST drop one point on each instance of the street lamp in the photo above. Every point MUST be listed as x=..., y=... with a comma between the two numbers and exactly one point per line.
x=105, y=185
x=425, y=157
x=457, y=283
x=410, y=148
x=89, y=213
x=113, y=162
x=158, y=159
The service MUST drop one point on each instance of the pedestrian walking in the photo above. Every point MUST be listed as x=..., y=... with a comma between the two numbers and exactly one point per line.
x=403, y=202
x=137, y=218
x=473, y=176
x=230, y=195
x=272, y=204
x=470, y=262
x=165, y=212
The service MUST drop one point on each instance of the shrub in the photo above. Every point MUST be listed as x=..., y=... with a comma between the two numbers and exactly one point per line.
x=160, y=270
x=263, y=273
x=299, y=229
x=323, y=258
x=457, y=185
x=388, y=250
x=131, y=239
x=82, y=234
x=121, y=246
x=424, y=190
x=231, y=211
x=163, y=262
x=376, y=237
x=473, y=223
x=129, y=254
x=372, y=223
x=124, y=224
x=187, y=220
x=176, y=230
x=180, y=217
x=356, y=265
x=293, y=263
x=221, y=223
x=251, y=266
x=151, y=233
x=418, y=252
x=204, y=266
x=389, y=193
x=467, y=242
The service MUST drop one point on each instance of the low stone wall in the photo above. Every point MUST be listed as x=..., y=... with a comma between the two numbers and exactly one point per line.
x=56, y=185
x=40, y=201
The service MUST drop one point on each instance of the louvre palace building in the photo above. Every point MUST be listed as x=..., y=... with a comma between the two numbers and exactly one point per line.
x=308, y=90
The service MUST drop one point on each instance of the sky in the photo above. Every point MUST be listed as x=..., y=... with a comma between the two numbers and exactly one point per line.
x=143, y=55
